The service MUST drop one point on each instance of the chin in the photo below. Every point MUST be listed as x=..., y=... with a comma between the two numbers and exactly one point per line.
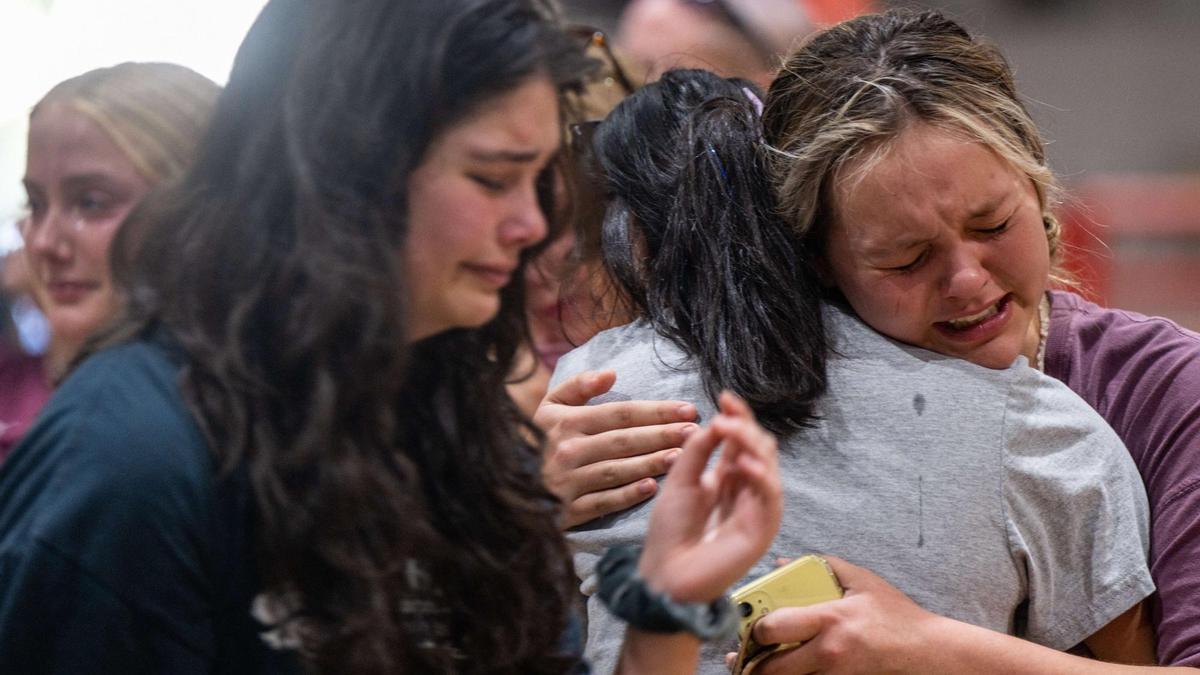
x=75, y=327
x=995, y=359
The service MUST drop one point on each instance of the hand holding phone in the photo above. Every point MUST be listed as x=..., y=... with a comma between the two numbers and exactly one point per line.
x=807, y=580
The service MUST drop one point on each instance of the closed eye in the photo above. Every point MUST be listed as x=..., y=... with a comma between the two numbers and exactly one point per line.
x=994, y=230
x=488, y=183
x=909, y=267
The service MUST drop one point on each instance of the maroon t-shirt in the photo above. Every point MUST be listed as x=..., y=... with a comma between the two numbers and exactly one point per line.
x=1142, y=374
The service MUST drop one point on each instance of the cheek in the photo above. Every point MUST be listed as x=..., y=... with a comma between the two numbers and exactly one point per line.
x=94, y=250
x=444, y=226
x=1025, y=258
x=889, y=307
x=854, y=284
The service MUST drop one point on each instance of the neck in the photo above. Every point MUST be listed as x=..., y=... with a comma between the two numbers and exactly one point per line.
x=1033, y=336
x=59, y=355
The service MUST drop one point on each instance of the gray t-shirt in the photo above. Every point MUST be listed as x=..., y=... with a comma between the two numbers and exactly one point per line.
x=996, y=497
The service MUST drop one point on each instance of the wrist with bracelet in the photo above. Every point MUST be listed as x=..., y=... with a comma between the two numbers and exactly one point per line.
x=627, y=596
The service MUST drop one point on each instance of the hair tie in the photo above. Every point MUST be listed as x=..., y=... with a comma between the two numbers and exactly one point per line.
x=628, y=597
x=754, y=99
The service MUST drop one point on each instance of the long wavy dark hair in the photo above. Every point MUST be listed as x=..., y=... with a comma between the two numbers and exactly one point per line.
x=401, y=519
x=692, y=236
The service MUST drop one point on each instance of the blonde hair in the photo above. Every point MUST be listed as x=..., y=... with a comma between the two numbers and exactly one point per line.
x=844, y=96
x=155, y=113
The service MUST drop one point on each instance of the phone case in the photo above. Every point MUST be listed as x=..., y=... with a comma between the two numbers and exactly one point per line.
x=804, y=581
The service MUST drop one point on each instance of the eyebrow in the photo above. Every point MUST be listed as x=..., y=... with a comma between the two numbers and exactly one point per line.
x=75, y=181
x=892, y=247
x=518, y=156
x=988, y=208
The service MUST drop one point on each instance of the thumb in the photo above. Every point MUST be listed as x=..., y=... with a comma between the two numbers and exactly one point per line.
x=579, y=389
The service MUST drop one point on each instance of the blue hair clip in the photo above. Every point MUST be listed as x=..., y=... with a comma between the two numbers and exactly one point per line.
x=720, y=167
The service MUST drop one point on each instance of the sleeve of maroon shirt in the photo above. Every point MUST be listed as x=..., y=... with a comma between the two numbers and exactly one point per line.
x=1142, y=374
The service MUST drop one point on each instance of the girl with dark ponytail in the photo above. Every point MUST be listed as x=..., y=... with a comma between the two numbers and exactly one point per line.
x=691, y=237
x=295, y=450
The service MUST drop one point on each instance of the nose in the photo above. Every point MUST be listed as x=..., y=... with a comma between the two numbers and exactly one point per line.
x=965, y=275
x=46, y=237
x=525, y=224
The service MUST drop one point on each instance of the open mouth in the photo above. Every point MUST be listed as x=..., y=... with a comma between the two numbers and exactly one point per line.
x=974, y=325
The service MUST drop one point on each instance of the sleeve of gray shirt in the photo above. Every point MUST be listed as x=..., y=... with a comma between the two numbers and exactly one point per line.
x=1077, y=513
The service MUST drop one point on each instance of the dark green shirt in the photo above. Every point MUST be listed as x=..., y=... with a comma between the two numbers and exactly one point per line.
x=120, y=549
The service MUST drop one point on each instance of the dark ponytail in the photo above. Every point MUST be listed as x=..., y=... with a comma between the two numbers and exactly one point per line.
x=692, y=236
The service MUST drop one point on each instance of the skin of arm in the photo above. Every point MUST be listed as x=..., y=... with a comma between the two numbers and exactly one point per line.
x=860, y=634
x=602, y=459
x=707, y=529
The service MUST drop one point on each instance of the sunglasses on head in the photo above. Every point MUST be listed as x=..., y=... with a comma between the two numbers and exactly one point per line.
x=595, y=39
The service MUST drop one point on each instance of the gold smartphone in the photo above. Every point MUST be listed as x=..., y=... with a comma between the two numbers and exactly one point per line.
x=804, y=581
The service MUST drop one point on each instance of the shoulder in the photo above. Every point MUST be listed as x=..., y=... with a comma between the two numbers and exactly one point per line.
x=1059, y=451
x=629, y=349
x=123, y=404
x=114, y=448
x=1076, y=509
x=865, y=359
x=1141, y=373
x=1035, y=396
x=1043, y=416
x=1083, y=332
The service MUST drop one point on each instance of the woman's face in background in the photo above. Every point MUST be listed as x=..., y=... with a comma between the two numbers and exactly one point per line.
x=564, y=302
x=473, y=208
x=80, y=187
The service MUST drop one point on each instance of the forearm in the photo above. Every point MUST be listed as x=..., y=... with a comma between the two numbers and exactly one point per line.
x=963, y=648
x=645, y=653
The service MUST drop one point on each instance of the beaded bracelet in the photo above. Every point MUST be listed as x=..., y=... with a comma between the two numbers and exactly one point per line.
x=626, y=595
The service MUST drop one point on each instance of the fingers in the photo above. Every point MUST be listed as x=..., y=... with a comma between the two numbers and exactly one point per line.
x=579, y=389
x=789, y=624
x=689, y=466
x=630, y=414
x=596, y=504
x=565, y=405
x=796, y=661
x=738, y=422
x=749, y=449
x=732, y=404
x=581, y=451
x=607, y=474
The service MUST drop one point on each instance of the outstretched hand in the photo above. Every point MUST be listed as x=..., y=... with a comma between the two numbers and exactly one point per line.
x=602, y=459
x=708, y=528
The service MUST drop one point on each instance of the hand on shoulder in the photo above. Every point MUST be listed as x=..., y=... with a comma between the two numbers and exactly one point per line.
x=602, y=459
